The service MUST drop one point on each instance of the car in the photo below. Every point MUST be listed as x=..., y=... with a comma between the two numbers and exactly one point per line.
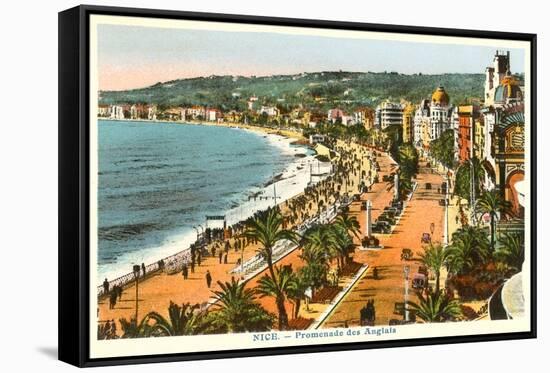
x=381, y=227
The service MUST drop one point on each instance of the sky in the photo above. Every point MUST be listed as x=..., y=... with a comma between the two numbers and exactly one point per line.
x=134, y=57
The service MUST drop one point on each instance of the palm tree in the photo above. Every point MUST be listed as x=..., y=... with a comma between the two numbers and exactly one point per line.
x=236, y=310
x=183, y=320
x=348, y=224
x=434, y=257
x=321, y=239
x=469, y=248
x=491, y=202
x=277, y=287
x=511, y=250
x=435, y=307
x=343, y=245
x=296, y=291
x=266, y=228
x=131, y=329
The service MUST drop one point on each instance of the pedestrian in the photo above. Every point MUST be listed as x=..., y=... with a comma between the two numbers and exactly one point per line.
x=220, y=256
x=213, y=251
x=225, y=259
x=208, y=279
x=199, y=259
x=113, y=329
x=112, y=299
x=105, y=287
x=185, y=271
x=143, y=269
x=119, y=292
x=192, y=267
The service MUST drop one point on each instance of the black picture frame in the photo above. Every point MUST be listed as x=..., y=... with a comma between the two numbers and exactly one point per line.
x=74, y=183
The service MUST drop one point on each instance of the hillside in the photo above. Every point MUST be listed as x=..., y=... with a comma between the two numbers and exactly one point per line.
x=322, y=90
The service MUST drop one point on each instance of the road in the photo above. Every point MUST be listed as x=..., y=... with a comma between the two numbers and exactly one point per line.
x=421, y=212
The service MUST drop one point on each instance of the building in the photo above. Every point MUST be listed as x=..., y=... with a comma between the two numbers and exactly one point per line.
x=270, y=111
x=408, y=123
x=500, y=86
x=432, y=118
x=467, y=117
x=335, y=115
x=152, y=112
x=316, y=139
x=388, y=114
x=440, y=113
x=103, y=111
x=195, y=113
x=117, y=112
x=212, y=115
x=421, y=123
x=252, y=102
x=503, y=156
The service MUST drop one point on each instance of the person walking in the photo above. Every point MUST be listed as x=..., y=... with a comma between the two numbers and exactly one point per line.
x=225, y=259
x=220, y=256
x=112, y=299
x=193, y=266
x=185, y=271
x=208, y=279
x=105, y=287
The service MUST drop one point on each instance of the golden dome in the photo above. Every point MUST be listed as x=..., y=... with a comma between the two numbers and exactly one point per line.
x=440, y=97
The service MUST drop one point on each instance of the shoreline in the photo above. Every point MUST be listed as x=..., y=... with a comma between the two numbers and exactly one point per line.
x=294, y=171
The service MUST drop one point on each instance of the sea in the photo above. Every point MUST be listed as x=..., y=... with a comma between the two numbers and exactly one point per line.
x=158, y=181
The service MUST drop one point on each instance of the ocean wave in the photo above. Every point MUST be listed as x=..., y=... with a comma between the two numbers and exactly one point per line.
x=125, y=232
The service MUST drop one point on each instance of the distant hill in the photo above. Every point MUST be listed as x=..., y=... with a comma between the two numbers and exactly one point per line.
x=322, y=90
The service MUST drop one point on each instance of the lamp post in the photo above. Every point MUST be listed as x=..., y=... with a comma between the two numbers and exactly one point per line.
x=446, y=230
x=472, y=192
x=136, y=269
x=406, y=270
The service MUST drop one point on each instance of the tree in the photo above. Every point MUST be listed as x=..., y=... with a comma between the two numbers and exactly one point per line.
x=182, y=320
x=266, y=228
x=491, y=202
x=319, y=240
x=434, y=257
x=511, y=250
x=296, y=291
x=278, y=288
x=408, y=161
x=131, y=329
x=435, y=307
x=443, y=149
x=463, y=179
x=236, y=310
x=469, y=248
x=343, y=245
x=348, y=224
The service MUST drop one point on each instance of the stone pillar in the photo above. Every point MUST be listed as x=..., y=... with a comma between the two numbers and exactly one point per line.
x=368, y=230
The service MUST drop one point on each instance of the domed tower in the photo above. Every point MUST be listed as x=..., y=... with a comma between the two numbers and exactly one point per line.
x=440, y=97
x=508, y=91
x=439, y=113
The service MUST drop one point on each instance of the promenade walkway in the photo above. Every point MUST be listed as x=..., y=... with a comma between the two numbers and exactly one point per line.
x=421, y=212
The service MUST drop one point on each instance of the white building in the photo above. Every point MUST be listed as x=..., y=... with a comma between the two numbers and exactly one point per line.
x=432, y=118
x=270, y=111
x=117, y=112
x=388, y=114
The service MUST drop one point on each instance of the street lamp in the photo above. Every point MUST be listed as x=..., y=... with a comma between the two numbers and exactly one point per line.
x=136, y=269
x=406, y=270
x=446, y=230
x=472, y=191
